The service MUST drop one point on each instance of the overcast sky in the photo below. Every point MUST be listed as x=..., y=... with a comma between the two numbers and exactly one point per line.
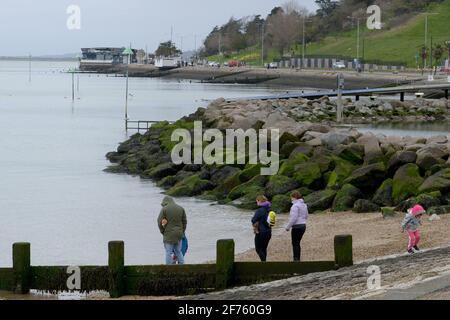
x=40, y=27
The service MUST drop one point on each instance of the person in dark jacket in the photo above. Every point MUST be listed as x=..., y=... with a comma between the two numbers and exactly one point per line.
x=172, y=223
x=261, y=227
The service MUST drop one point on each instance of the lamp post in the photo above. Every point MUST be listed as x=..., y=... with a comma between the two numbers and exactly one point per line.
x=78, y=75
x=357, y=36
x=72, y=71
x=29, y=67
x=426, y=34
x=304, y=39
x=262, y=42
x=127, y=52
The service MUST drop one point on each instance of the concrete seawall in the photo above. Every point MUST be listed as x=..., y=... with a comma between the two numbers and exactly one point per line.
x=322, y=79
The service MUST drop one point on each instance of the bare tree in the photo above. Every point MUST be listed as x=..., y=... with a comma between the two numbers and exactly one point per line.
x=284, y=27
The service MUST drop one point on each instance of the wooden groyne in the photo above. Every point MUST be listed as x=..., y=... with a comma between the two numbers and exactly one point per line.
x=121, y=280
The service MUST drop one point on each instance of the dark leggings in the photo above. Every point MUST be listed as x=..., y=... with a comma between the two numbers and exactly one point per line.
x=297, y=235
x=261, y=243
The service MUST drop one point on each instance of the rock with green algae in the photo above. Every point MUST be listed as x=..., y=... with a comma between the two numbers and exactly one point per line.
x=426, y=200
x=248, y=200
x=383, y=196
x=308, y=173
x=161, y=171
x=406, y=182
x=365, y=206
x=279, y=185
x=320, y=200
x=223, y=189
x=281, y=203
x=441, y=210
x=287, y=167
x=342, y=170
x=367, y=177
x=189, y=187
x=400, y=158
x=249, y=172
x=253, y=186
x=440, y=181
x=354, y=153
x=388, y=212
x=346, y=198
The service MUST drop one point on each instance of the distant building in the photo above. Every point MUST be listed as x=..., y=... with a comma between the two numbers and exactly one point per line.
x=105, y=56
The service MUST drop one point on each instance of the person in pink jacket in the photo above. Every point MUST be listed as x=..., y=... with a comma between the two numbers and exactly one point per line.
x=411, y=224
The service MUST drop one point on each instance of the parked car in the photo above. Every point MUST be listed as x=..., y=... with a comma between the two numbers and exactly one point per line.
x=233, y=63
x=214, y=64
x=272, y=65
x=339, y=65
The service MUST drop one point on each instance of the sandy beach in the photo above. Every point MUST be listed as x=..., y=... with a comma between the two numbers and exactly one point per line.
x=372, y=237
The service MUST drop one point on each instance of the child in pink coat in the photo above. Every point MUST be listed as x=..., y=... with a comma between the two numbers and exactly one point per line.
x=411, y=224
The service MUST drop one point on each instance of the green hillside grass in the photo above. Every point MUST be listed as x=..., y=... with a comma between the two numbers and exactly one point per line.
x=400, y=44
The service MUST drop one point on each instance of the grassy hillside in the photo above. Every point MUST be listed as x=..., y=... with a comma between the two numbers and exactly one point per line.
x=400, y=44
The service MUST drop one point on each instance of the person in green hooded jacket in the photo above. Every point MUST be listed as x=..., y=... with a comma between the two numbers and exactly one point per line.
x=172, y=223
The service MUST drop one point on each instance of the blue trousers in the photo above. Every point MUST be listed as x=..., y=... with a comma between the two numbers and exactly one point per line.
x=173, y=249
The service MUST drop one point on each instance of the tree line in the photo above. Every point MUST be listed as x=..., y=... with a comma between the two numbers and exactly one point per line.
x=285, y=26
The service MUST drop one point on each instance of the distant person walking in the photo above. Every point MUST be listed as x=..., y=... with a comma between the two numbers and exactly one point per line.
x=297, y=223
x=261, y=227
x=172, y=223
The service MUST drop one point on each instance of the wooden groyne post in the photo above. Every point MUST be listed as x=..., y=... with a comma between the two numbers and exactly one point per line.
x=224, y=264
x=116, y=264
x=343, y=250
x=21, y=267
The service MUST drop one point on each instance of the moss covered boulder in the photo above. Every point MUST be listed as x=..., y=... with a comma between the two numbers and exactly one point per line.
x=367, y=177
x=281, y=203
x=249, y=172
x=426, y=200
x=257, y=184
x=365, y=206
x=342, y=171
x=167, y=182
x=320, y=200
x=388, y=212
x=346, y=198
x=307, y=174
x=439, y=210
x=353, y=153
x=224, y=188
x=287, y=168
x=280, y=185
x=302, y=148
x=406, y=182
x=161, y=171
x=324, y=158
x=400, y=158
x=221, y=174
x=189, y=187
x=383, y=196
x=247, y=200
x=430, y=156
x=437, y=182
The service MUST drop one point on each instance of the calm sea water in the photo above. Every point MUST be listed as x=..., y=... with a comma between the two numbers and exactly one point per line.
x=53, y=192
